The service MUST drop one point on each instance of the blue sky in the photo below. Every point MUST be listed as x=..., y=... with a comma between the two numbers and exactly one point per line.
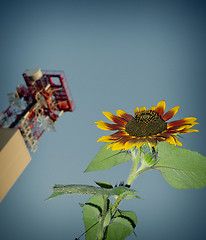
x=116, y=55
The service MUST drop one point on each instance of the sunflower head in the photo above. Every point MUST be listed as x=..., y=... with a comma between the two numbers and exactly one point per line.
x=145, y=126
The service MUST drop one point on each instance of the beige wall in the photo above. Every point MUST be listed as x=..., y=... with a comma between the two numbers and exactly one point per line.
x=14, y=157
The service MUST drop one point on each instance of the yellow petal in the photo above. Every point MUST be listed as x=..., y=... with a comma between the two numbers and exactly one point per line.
x=114, y=118
x=186, y=130
x=110, y=145
x=107, y=139
x=178, y=128
x=185, y=121
x=190, y=119
x=152, y=108
x=130, y=143
x=160, y=107
x=177, y=141
x=170, y=140
x=118, y=146
x=140, y=142
x=107, y=126
x=124, y=115
x=168, y=115
x=191, y=125
x=142, y=109
x=136, y=110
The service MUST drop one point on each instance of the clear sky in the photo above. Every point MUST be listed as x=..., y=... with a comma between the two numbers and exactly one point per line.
x=116, y=55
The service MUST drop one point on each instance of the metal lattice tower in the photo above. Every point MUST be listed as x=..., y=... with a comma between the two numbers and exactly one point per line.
x=36, y=107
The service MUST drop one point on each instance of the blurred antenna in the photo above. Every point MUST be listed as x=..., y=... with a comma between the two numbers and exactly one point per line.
x=33, y=109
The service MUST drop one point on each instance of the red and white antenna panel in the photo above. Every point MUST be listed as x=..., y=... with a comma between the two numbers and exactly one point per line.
x=36, y=107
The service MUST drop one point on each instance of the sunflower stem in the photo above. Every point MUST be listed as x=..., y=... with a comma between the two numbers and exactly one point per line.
x=117, y=202
x=135, y=171
x=136, y=159
x=101, y=228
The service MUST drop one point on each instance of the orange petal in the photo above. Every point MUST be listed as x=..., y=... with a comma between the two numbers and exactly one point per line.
x=160, y=108
x=170, y=113
x=124, y=115
x=114, y=118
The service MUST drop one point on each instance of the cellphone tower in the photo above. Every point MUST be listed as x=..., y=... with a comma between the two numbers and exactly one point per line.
x=34, y=108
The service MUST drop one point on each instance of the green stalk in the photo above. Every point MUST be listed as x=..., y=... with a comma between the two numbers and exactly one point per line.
x=135, y=171
x=101, y=227
x=116, y=203
x=135, y=159
x=132, y=176
x=141, y=170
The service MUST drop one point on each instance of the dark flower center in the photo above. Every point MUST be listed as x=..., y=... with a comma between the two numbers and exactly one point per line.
x=145, y=124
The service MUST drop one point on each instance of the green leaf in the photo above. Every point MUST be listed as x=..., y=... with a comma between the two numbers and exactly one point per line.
x=182, y=168
x=119, y=226
x=86, y=189
x=122, y=225
x=91, y=216
x=106, y=158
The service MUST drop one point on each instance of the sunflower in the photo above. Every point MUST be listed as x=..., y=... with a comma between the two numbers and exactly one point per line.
x=146, y=126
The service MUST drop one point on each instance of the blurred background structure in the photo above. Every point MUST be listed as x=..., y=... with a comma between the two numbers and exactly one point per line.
x=116, y=55
x=33, y=109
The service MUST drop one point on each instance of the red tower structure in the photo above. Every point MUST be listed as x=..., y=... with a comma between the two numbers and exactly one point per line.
x=38, y=105
x=34, y=108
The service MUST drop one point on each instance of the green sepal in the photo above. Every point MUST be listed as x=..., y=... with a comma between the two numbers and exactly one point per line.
x=106, y=158
x=150, y=158
x=104, y=185
x=182, y=168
